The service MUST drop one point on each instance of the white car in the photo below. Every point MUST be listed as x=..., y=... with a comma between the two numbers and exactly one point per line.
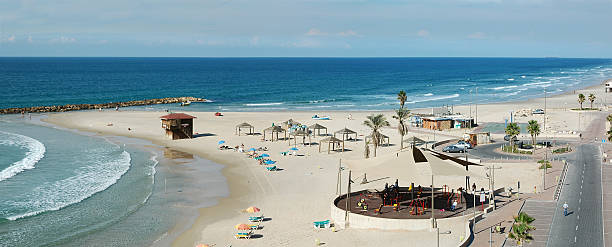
x=462, y=144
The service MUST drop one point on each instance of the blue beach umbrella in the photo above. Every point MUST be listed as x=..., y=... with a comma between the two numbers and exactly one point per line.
x=269, y=162
x=294, y=149
x=251, y=149
x=258, y=157
x=221, y=142
x=265, y=155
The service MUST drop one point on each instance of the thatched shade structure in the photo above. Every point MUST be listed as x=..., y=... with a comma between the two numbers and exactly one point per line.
x=302, y=133
x=287, y=124
x=244, y=126
x=381, y=138
x=331, y=143
x=274, y=129
x=345, y=133
x=317, y=127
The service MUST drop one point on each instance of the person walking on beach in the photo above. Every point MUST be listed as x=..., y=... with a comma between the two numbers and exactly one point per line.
x=565, y=206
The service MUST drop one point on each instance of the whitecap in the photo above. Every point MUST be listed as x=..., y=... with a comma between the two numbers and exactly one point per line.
x=87, y=181
x=503, y=87
x=264, y=104
x=428, y=94
x=510, y=79
x=36, y=151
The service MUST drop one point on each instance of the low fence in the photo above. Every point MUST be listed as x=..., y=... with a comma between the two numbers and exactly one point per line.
x=561, y=181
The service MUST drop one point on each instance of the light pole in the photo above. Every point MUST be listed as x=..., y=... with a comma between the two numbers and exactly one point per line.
x=438, y=234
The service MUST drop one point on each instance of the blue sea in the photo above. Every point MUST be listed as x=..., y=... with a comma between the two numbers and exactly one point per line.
x=65, y=188
x=276, y=84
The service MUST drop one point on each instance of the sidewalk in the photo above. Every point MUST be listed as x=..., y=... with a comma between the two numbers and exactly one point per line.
x=507, y=208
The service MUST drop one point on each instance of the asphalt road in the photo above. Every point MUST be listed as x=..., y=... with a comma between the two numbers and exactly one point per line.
x=582, y=192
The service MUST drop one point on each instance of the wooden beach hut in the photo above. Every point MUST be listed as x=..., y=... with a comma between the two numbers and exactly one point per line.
x=178, y=125
x=437, y=123
x=381, y=139
x=331, y=143
x=287, y=124
x=275, y=129
x=244, y=126
x=346, y=133
x=317, y=127
x=303, y=134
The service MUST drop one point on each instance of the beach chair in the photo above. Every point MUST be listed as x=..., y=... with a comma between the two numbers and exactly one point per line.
x=321, y=224
x=271, y=168
x=256, y=218
x=254, y=227
x=243, y=235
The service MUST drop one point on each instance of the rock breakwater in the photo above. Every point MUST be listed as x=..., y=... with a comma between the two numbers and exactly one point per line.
x=76, y=107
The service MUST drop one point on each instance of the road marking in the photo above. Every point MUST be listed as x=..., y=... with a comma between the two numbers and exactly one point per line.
x=580, y=200
x=578, y=216
x=574, y=239
x=576, y=227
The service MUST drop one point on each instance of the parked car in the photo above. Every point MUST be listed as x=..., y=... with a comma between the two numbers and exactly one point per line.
x=453, y=149
x=464, y=144
x=537, y=111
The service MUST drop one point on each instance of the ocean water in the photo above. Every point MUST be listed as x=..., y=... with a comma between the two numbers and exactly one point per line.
x=66, y=188
x=273, y=84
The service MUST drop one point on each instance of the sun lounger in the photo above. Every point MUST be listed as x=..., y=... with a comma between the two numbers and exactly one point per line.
x=321, y=224
x=271, y=168
x=243, y=235
x=256, y=218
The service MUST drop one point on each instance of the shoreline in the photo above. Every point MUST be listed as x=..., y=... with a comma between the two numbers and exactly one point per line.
x=241, y=194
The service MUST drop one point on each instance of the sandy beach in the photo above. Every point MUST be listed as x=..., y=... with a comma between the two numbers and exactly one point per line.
x=303, y=190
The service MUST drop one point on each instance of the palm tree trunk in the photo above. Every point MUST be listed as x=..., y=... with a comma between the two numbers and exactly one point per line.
x=375, y=147
x=401, y=142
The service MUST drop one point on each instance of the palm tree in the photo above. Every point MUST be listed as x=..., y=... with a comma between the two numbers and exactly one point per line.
x=592, y=98
x=401, y=96
x=512, y=130
x=534, y=130
x=401, y=114
x=521, y=228
x=610, y=134
x=376, y=122
x=609, y=118
x=580, y=100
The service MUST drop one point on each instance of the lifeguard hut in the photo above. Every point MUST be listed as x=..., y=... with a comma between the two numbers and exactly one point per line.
x=178, y=125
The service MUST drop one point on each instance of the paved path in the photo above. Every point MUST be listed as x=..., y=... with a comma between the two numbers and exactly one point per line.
x=607, y=203
x=583, y=193
x=543, y=212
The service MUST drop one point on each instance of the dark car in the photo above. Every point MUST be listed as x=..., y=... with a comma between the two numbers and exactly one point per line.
x=453, y=149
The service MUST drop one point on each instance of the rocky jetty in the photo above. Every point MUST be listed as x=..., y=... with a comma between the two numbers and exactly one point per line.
x=63, y=108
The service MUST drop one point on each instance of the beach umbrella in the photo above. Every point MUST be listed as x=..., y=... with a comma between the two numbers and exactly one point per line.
x=221, y=142
x=293, y=149
x=202, y=245
x=258, y=157
x=252, y=209
x=265, y=155
x=242, y=227
x=269, y=162
x=251, y=149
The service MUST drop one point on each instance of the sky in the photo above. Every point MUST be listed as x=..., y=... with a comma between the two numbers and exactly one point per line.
x=307, y=28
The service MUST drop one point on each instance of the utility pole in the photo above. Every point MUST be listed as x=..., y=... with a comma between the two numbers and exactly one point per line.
x=476, y=106
x=433, y=218
x=339, y=179
x=545, y=111
x=348, y=198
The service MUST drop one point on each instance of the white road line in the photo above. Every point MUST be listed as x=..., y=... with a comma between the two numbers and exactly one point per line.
x=574, y=239
x=580, y=200
x=578, y=216
x=576, y=227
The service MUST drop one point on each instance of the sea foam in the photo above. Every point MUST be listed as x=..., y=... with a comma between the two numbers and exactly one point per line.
x=36, y=151
x=87, y=181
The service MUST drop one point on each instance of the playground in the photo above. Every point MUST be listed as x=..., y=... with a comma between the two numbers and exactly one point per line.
x=413, y=202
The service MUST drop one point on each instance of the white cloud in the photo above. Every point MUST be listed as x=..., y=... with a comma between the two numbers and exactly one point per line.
x=348, y=33
x=477, y=35
x=254, y=40
x=307, y=43
x=315, y=32
x=63, y=40
x=423, y=33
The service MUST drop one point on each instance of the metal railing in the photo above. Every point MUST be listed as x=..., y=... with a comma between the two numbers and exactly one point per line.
x=561, y=181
